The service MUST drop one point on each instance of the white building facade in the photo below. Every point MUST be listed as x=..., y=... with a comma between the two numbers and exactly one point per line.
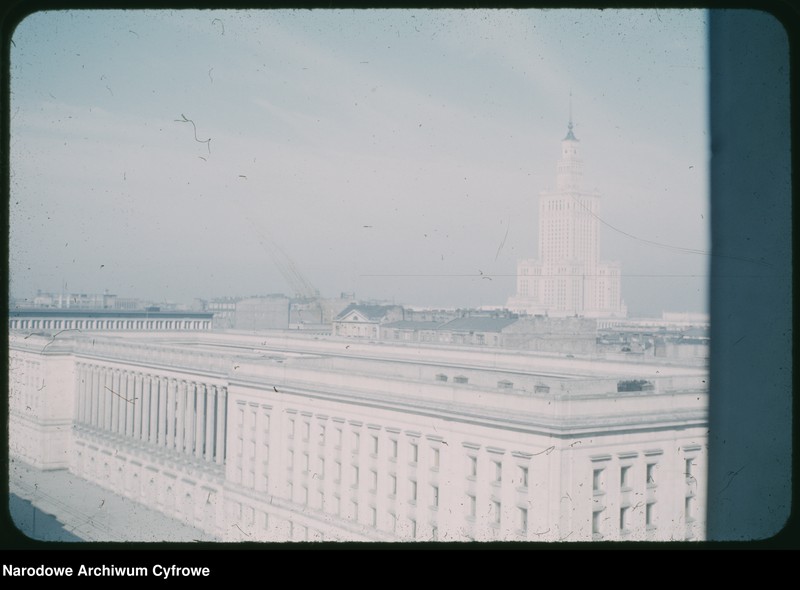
x=291, y=438
x=569, y=278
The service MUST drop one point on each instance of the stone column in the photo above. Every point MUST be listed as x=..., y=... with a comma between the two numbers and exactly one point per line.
x=199, y=414
x=123, y=404
x=132, y=405
x=171, y=406
x=188, y=429
x=123, y=409
x=115, y=400
x=221, y=418
x=180, y=417
x=150, y=386
x=79, y=389
x=87, y=394
x=93, y=397
x=138, y=406
x=108, y=388
x=210, y=410
x=162, y=410
x=99, y=408
x=80, y=398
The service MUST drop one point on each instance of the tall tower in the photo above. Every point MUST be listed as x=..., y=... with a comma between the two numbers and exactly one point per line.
x=569, y=277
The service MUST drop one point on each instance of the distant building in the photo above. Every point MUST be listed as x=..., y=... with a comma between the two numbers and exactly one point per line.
x=75, y=300
x=153, y=319
x=670, y=338
x=501, y=330
x=569, y=278
x=317, y=314
x=361, y=320
x=477, y=330
x=262, y=313
x=224, y=310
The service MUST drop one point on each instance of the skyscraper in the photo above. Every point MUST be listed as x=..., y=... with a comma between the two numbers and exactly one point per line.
x=569, y=278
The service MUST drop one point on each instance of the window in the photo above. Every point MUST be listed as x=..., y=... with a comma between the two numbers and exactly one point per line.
x=434, y=533
x=596, y=523
x=374, y=444
x=413, y=528
x=435, y=502
x=624, y=477
x=597, y=481
x=413, y=490
x=649, y=514
x=651, y=474
x=356, y=441
x=471, y=505
x=290, y=461
x=414, y=452
x=304, y=495
x=623, y=518
x=392, y=522
x=338, y=471
x=523, y=519
x=338, y=439
x=322, y=434
x=354, y=509
x=435, y=458
x=394, y=448
x=291, y=427
x=496, y=511
x=355, y=476
x=373, y=516
x=523, y=476
x=498, y=471
x=392, y=484
x=689, y=468
x=305, y=461
x=472, y=466
x=689, y=508
x=321, y=467
x=373, y=480
x=306, y=430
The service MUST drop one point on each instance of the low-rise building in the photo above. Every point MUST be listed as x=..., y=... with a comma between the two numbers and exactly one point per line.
x=363, y=320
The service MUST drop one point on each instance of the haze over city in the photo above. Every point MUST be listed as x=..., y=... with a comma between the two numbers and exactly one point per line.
x=398, y=155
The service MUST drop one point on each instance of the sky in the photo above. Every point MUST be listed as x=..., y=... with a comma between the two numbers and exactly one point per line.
x=396, y=154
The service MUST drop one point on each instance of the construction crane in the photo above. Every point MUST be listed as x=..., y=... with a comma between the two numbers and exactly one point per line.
x=301, y=286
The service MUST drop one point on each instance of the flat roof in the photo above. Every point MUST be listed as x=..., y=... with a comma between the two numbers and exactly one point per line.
x=106, y=313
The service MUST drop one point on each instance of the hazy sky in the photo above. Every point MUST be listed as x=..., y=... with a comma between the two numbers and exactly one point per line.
x=410, y=143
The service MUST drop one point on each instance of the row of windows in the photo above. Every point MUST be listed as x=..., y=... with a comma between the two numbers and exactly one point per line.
x=625, y=483
x=19, y=324
x=367, y=477
x=599, y=519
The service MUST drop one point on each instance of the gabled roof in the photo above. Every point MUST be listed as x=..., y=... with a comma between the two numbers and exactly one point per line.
x=371, y=312
x=477, y=324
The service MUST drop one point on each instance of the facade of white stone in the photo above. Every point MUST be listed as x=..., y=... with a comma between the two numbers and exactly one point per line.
x=569, y=278
x=291, y=438
x=78, y=319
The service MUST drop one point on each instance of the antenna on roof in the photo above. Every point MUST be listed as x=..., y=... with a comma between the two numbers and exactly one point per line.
x=570, y=108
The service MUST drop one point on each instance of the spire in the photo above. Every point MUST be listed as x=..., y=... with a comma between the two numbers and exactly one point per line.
x=570, y=134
